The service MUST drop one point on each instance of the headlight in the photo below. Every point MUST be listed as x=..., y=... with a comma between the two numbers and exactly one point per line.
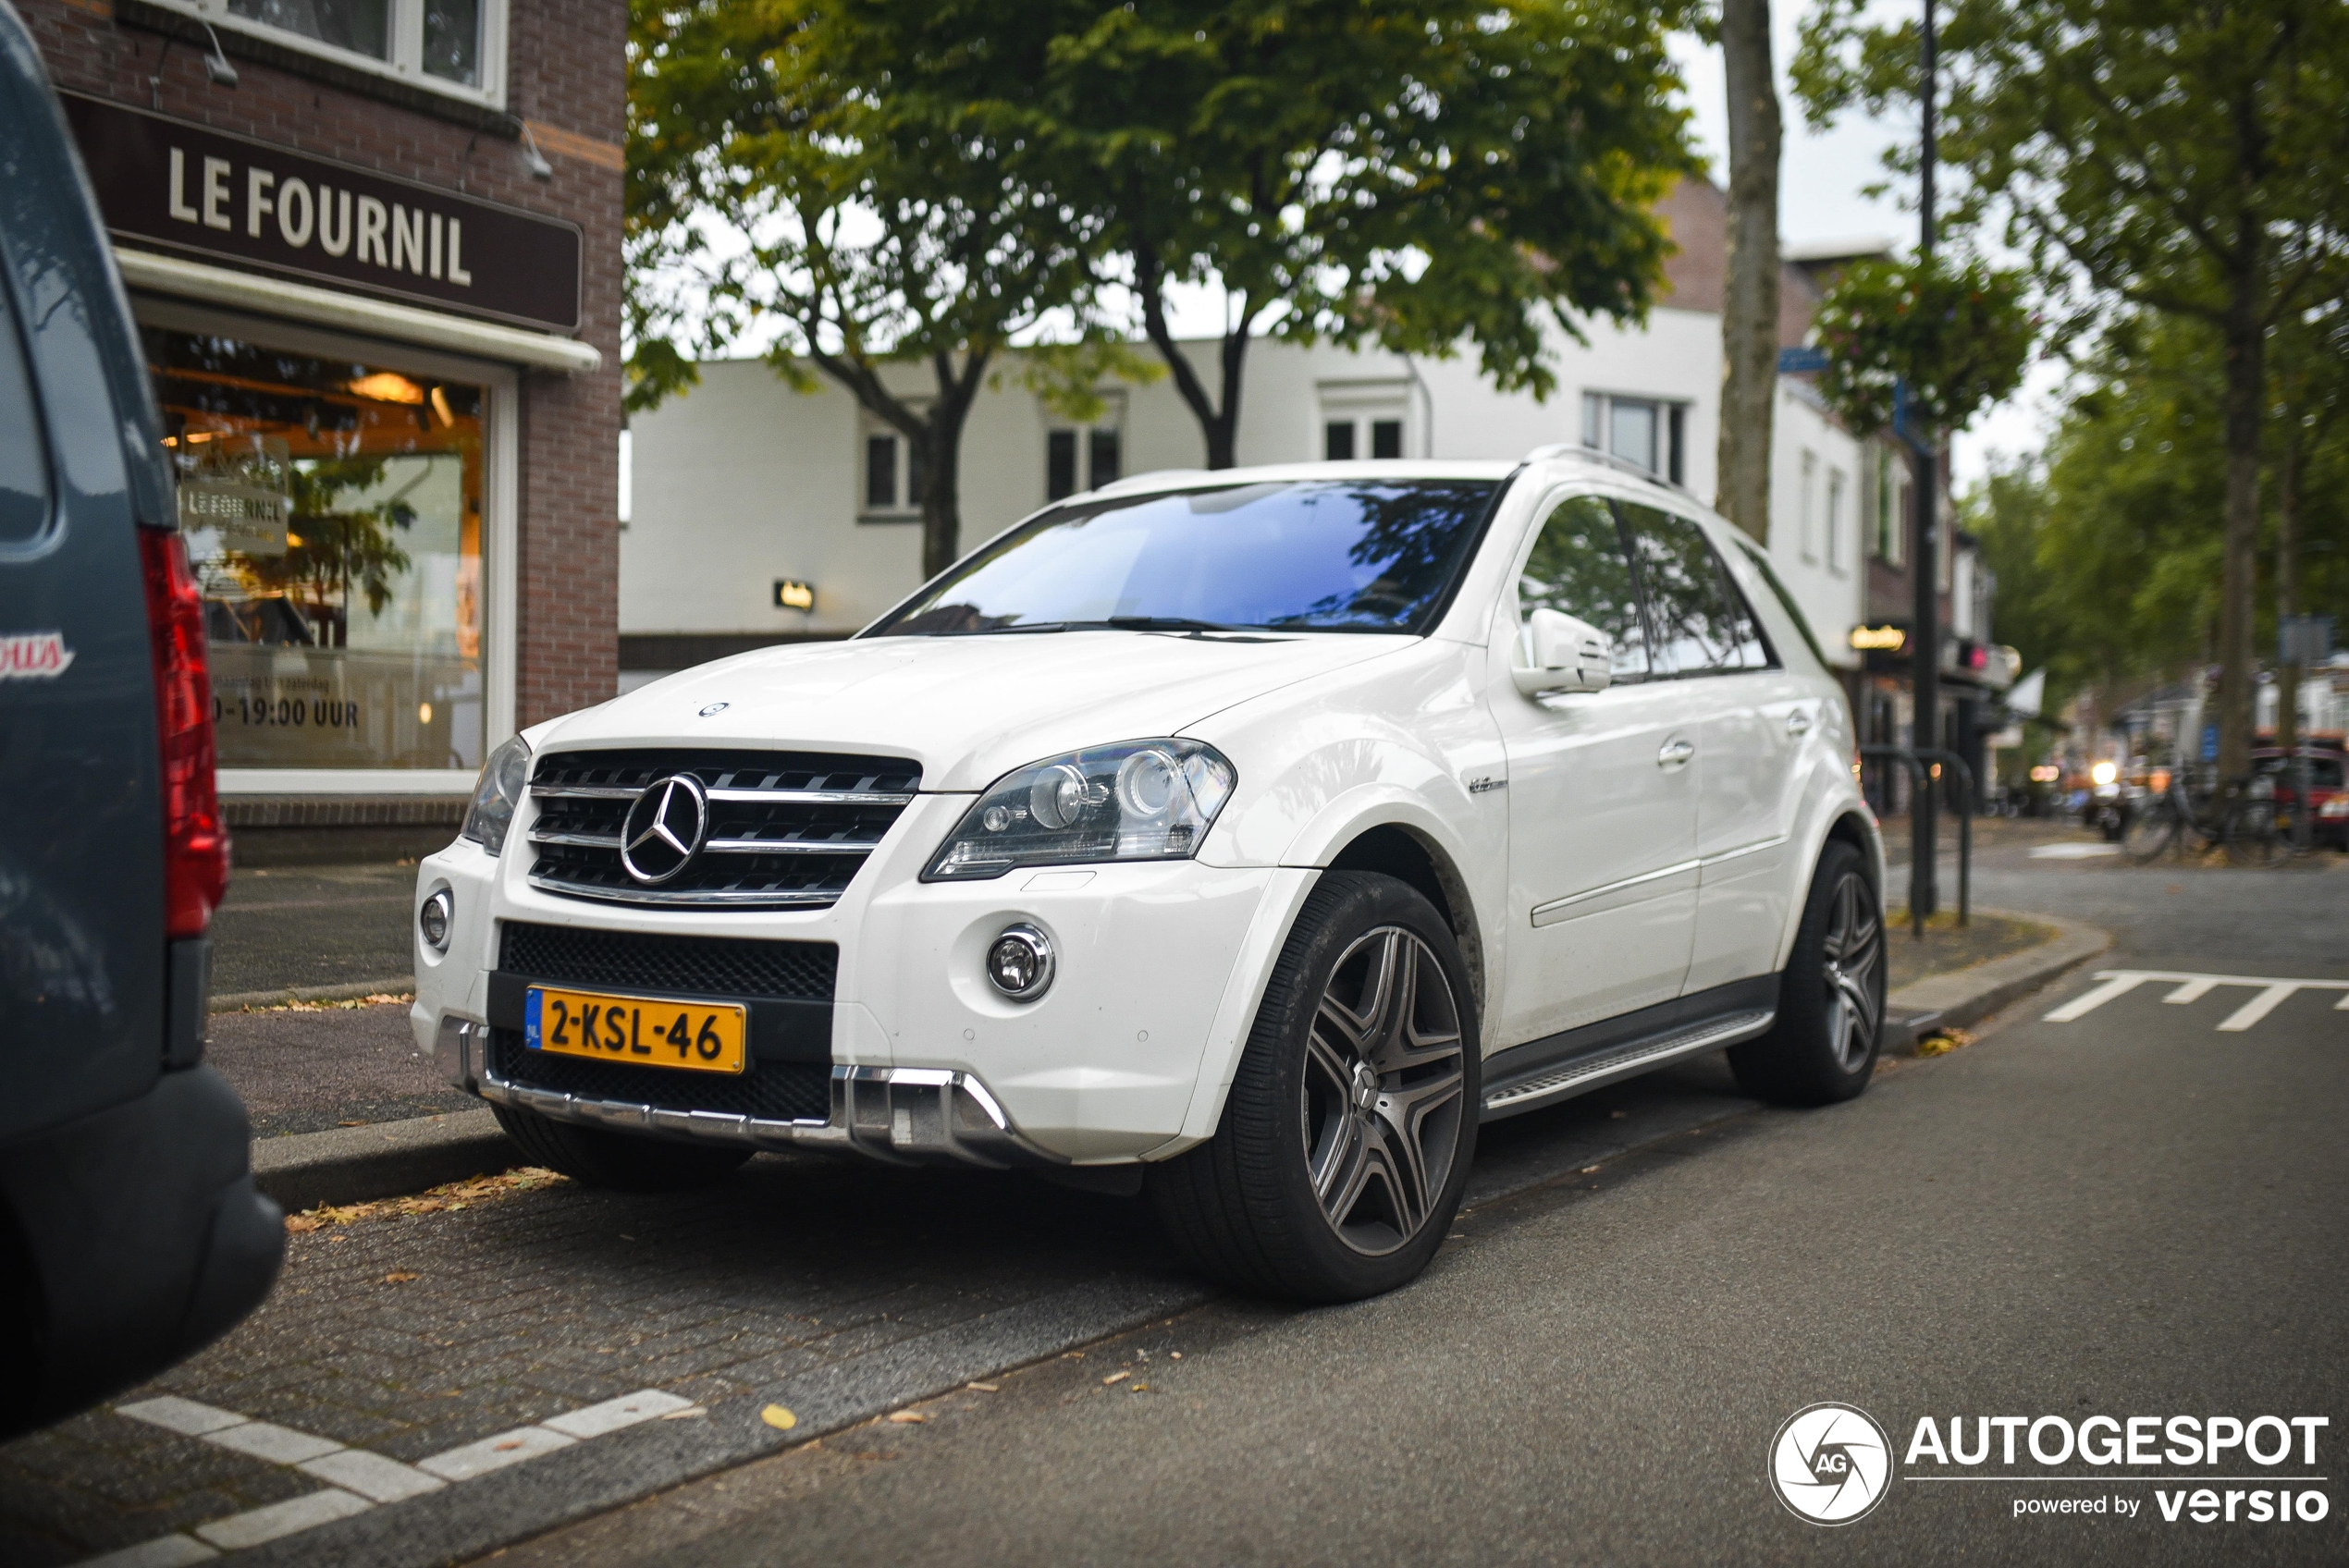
x=503, y=778
x=2337, y=806
x=1144, y=800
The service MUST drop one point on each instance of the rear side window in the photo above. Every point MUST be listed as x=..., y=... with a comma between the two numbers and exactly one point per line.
x=24, y=467
x=1700, y=622
x=1578, y=568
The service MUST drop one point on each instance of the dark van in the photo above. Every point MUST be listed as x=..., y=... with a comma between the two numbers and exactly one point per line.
x=131, y=1232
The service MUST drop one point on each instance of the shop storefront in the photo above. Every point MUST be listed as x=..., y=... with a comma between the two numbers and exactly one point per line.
x=383, y=337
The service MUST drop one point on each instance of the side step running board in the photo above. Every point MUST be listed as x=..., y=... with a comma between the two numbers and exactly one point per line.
x=1581, y=1077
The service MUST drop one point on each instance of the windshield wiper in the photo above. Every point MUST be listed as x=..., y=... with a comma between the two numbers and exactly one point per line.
x=1164, y=623
x=1007, y=628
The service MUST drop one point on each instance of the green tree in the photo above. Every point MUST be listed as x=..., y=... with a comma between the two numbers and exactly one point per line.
x=791, y=177
x=2179, y=156
x=1955, y=337
x=1347, y=171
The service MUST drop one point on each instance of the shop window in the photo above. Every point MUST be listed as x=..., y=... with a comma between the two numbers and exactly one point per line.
x=454, y=47
x=333, y=517
x=1082, y=458
x=1646, y=431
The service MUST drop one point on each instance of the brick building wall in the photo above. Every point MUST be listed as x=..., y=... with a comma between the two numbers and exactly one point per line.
x=567, y=77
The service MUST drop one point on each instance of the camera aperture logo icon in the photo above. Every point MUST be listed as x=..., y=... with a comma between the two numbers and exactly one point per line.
x=1830, y=1463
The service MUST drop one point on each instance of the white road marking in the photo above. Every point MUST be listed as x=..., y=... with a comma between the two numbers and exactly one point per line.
x=615, y=1414
x=184, y=1417
x=164, y=1551
x=2074, y=851
x=494, y=1453
x=371, y=1475
x=2192, y=987
x=278, y=1445
x=361, y=1479
x=291, y=1517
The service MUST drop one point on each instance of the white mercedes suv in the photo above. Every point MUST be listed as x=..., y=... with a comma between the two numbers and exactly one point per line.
x=1245, y=838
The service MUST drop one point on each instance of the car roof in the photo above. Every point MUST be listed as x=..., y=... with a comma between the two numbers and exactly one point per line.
x=1555, y=463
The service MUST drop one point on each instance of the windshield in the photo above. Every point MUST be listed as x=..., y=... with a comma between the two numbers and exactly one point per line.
x=1291, y=554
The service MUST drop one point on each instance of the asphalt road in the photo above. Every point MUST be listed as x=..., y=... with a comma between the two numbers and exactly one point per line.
x=2135, y=1213
x=2131, y=1213
x=313, y=925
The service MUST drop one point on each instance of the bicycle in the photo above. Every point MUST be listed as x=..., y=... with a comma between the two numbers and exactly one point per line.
x=2239, y=816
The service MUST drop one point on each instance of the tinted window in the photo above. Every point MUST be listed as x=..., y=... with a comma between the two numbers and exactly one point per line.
x=24, y=470
x=1700, y=622
x=1332, y=556
x=1577, y=567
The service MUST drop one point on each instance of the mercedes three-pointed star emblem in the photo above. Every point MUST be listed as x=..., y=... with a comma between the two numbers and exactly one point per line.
x=665, y=828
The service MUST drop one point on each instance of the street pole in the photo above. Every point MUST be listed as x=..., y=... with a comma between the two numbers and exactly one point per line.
x=1924, y=638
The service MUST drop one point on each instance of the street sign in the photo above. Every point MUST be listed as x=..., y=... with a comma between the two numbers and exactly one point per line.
x=1801, y=362
x=2303, y=640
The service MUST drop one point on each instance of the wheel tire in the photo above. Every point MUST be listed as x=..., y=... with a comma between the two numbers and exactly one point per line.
x=616, y=1160
x=1392, y=1147
x=2150, y=831
x=1830, y=1022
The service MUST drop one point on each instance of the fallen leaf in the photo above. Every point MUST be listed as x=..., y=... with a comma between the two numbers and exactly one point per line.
x=399, y=1276
x=1177, y=1356
x=350, y=1124
x=509, y=1445
x=1115, y=1378
x=1139, y=1389
x=1590, y=1170
x=986, y=1388
x=694, y=1413
x=775, y=1416
x=1072, y=1356
x=908, y=1418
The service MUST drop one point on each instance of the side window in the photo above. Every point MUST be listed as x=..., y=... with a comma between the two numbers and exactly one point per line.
x=24, y=468
x=1702, y=623
x=1577, y=567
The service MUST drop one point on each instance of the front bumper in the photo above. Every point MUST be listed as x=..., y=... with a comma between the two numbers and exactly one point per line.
x=903, y=1115
x=1159, y=964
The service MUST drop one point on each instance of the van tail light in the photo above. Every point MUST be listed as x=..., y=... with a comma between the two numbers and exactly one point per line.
x=195, y=846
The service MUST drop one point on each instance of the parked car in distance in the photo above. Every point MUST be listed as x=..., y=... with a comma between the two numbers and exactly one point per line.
x=131, y=1232
x=2328, y=788
x=1244, y=837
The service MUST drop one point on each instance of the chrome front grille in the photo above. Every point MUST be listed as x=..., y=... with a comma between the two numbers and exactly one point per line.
x=787, y=830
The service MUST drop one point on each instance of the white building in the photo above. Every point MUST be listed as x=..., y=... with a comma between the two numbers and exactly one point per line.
x=742, y=484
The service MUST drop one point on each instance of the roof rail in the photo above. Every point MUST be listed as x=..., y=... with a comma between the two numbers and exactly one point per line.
x=1608, y=460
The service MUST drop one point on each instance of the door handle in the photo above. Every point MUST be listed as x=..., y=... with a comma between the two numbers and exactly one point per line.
x=1674, y=752
x=1798, y=723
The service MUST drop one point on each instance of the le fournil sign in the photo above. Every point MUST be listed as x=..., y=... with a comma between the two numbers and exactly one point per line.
x=182, y=186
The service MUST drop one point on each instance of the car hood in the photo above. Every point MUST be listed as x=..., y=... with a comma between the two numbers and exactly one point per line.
x=969, y=709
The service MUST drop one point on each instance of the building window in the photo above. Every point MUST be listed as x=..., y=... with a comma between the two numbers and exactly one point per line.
x=1082, y=458
x=1342, y=440
x=889, y=480
x=1645, y=431
x=452, y=46
x=333, y=512
x=1836, y=487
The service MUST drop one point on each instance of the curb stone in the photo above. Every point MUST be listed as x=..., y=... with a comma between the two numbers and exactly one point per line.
x=236, y=1001
x=389, y=1160
x=1968, y=995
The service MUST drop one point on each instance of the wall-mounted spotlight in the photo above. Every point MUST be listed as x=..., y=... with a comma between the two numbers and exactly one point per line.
x=216, y=64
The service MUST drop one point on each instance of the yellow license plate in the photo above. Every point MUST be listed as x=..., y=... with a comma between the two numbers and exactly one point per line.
x=702, y=1037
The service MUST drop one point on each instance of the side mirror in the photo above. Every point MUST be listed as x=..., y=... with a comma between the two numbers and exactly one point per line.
x=1562, y=654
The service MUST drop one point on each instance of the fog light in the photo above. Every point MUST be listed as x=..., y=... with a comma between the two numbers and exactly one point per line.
x=434, y=920
x=1019, y=962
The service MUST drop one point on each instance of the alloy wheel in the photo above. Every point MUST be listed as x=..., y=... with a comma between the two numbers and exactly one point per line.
x=1383, y=1090
x=1854, y=951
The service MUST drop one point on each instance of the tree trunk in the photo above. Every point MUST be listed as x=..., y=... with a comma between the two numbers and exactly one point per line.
x=1218, y=426
x=933, y=436
x=1750, y=311
x=2246, y=383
